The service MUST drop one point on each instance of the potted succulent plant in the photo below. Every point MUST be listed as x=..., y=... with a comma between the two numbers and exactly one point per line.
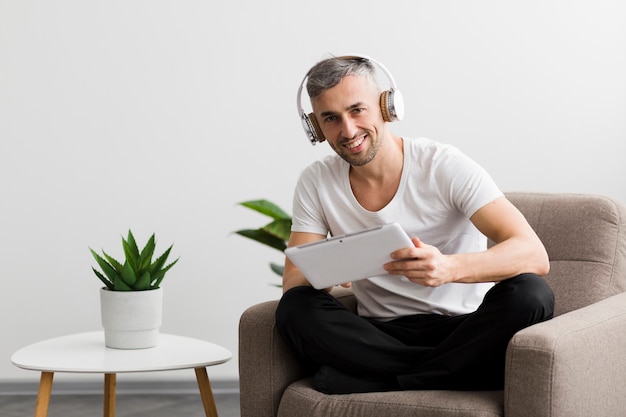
x=132, y=300
x=274, y=234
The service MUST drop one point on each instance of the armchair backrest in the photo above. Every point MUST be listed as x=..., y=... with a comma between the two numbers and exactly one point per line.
x=585, y=236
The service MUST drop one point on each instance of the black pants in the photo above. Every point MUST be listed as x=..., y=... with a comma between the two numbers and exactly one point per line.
x=424, y=351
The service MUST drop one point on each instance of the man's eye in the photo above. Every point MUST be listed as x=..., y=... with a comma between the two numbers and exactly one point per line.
x=330, y=119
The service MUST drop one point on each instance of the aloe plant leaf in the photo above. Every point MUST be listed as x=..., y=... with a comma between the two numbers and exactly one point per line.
x=145, y=258
x=108, y=283
x=108, y=270
x=128, y=275
x=114, y=263
x=131, y=250
x=132, y=243
x=120, y=285
x=143, y=283
x=159, y=262
x=131, y=254
x=263, y=237
x=137, y=272
x=158, y=277
x=266, y=207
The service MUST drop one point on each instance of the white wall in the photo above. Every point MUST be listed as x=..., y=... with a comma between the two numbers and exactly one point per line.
x=162, y=115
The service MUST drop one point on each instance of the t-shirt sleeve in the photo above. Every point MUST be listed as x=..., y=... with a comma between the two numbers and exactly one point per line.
x=307, y=208
x=465, y=183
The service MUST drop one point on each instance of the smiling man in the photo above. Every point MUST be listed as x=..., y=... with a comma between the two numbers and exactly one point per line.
x=442, y=316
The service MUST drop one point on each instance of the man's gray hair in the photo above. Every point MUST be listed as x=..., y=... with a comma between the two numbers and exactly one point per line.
x=329, y=72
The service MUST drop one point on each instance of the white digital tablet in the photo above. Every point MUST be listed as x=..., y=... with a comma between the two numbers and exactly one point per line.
x=348, y=258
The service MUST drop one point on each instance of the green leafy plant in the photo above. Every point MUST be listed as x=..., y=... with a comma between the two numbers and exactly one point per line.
x=274, y=234
x=138, y=272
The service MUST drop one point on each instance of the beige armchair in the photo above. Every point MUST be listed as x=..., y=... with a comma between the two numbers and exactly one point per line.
x=573, y=365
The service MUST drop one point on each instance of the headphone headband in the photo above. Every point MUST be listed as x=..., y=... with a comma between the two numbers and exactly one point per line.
x=391, y=103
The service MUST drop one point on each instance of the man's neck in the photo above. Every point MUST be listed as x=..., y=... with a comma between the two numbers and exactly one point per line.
x=375, y=184
x=386, y=165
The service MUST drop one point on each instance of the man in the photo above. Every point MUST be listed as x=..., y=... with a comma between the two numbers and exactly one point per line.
x=437, y=320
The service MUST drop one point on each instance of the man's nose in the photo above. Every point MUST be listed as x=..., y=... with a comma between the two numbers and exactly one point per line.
x=348, y=128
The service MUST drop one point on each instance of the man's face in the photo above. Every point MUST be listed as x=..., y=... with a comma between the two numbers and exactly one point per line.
x=350, y=118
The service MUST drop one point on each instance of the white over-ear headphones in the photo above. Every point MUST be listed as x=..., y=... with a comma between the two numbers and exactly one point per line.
x=391, y=103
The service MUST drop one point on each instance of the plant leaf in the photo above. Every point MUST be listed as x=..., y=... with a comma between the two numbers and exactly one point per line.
x=280, y=228
x=120, y=285
x=128, y=275
x=114, y=263
x=159, y=262
x=278, y=269
x=266, y=207
x=131, y=251
x=143, y=283
x=132, y=243
x=138, y=272
x=263, y=237
x=104, y=279
x=108, y=270
x=161, y=274
x=145, y=258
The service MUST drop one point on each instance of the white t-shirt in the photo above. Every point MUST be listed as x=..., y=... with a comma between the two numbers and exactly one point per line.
x=440, y=189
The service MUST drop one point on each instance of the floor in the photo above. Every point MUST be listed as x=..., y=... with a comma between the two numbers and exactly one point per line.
x=127, y=405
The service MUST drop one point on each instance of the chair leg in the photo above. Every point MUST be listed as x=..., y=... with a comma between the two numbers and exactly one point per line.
x=208, y=401
x=43, y=396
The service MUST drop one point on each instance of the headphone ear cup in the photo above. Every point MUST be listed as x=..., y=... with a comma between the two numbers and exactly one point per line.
x=317, y=131
x=312, y=128
x=384, y=106
x=391, y=105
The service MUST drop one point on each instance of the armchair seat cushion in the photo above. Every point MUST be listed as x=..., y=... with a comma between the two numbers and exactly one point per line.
x=300, y=399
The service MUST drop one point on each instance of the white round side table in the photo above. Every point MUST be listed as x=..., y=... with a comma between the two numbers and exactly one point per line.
x=86, y=353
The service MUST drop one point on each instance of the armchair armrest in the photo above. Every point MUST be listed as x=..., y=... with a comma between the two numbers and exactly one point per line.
x=266, y=365
x=572, y=365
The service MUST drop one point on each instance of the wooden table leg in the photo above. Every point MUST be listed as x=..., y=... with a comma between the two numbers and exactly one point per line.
x=206, y=392
x=109, y=395
x=43, y=396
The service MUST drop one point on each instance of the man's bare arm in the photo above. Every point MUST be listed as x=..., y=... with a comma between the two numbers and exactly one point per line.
x=292, y=276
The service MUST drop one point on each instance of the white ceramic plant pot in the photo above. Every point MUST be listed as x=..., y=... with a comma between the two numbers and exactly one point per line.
x=131, y=319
